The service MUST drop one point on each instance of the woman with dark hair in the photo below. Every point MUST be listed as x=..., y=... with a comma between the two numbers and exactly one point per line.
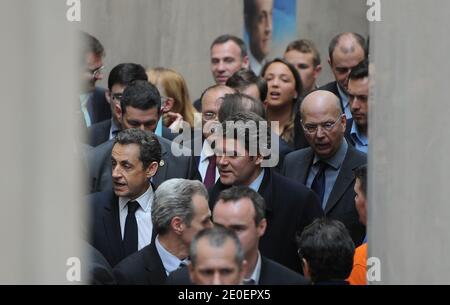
x=283, y=97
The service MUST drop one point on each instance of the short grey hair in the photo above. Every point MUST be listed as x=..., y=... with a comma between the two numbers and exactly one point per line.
x=217, y=236
x=174, y=198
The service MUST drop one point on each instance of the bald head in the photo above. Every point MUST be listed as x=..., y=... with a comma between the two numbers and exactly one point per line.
x=323, y=123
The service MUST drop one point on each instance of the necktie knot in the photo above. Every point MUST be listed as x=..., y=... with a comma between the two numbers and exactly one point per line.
x=132, y=207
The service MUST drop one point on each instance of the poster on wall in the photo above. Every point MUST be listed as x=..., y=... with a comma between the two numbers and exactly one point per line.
x=269, y=25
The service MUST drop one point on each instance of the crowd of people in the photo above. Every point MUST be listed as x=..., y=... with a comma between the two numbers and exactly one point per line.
x=260, y=181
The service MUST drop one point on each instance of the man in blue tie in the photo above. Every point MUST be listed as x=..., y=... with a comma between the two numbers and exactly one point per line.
x=327, y=165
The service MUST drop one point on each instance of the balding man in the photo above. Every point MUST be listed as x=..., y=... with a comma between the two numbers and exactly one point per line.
x=345, y=51
x=327, y=165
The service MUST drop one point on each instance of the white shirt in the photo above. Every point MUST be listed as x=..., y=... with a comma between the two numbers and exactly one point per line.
x=143, y=217
x=206, y=152
x=170, y=261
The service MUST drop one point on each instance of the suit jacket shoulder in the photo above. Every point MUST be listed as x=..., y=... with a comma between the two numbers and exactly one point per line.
x=99, y=133
x=179, y=277
x=141, y=268
x=273, y=273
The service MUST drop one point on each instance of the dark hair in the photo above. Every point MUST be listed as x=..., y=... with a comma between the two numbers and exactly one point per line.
x=328, y=248
x=150, y=149
x=90, y=44
x=142, y=95
x=227, y=37
x=359, y=39
x=237, y=103
x=216, y=236
x=244, y=78
x=305, y=46
x=251, y=139
x=125, y=73
x=361, y=174
x=235, y=193
x=298, y=80
x=360, y=71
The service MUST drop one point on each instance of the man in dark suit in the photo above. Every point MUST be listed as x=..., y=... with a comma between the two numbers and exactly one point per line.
x=242, y=210
x=119, y=77
x=140, y=106
x=93, y=103
x=345, y=51
x=179, y=211
x=121, y=218
x=290, y=206
x=327, y=165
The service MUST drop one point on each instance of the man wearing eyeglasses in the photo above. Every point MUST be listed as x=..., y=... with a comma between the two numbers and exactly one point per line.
x=327, y=165
x=346, y=50
x=93, y=104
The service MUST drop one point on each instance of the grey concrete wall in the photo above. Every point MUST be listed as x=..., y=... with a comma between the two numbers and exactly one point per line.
x=409, y=200
x=321, y=20
x=41, y=211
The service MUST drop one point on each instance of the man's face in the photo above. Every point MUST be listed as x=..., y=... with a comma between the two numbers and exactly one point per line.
x=113, y=97
x=216, y=266
x=260, y=31
x=201, y=219
x=360, y=202
x=146, y=120
x=323, y=111
x=304, y=63
x=345, y=58
x=130, y=178
x=225, y=60
x=358, y=92
x=281, y=85
x=93, y=63
x=239, y=216
x=211, y=102
x=235, y=165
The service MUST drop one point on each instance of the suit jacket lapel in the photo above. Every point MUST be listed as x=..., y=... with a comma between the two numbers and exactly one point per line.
x=266, y=189
x=304, y=165
x=343, y=180
x=111, y=221
x=156, y=272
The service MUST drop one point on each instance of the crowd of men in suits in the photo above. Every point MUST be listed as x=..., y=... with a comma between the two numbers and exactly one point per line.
x=218, y=214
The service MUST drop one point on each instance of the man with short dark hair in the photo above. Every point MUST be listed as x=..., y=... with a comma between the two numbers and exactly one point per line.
x=245, y=81
x=93, y=104
x=179, y=211
x=305, y=57
x=345, y=51
x=121, y=219
x=140, y=108
x=326, y=251
x=358, y=93
x=228, y=55
x=217, y=258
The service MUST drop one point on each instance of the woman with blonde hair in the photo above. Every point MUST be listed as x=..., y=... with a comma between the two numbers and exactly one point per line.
x=176, y=105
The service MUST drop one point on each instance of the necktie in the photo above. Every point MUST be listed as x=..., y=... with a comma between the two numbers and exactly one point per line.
x=130, y=237
x=210, y=177
x=318, y=184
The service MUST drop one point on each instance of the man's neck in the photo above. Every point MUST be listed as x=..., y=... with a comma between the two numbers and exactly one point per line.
x=251, y=259
x=174, y=245
x=253, y=177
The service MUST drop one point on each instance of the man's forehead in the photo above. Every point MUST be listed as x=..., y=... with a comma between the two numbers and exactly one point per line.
x=125, y=151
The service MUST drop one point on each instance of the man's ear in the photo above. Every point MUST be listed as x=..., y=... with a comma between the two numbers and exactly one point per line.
x=152, y=169
x=168, y=105
x=259, y=159
x=261, y=228
x=317, y=70
x=306, y=270
x=118, y=110
x=330, y=63
x=245, y=62
x=177, y=225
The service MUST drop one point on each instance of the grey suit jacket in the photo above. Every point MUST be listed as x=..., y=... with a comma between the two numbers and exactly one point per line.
x=99, y=164
x=341, y=203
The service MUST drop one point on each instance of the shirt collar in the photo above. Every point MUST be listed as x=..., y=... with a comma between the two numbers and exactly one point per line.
x=158, y=130
x=257, y=182
x=206, y=152
x=170, y=261
x=257, y=271
x=338, y=158
x=114, y=129
x=356, y=135
x=84, y=98
x=144, y=200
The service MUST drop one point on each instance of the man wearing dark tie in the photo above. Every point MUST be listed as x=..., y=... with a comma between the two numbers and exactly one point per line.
x=327, y=165
x=121, y=222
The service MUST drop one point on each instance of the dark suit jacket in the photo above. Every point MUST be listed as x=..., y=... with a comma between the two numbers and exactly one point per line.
x=98, y=133
x=99, y=163
x=332, y=87
x=141, y=268
x=290, y=207
x=98, y=107
x=198, y=105
x=341, y=203
x=272, y=273
x=348, y=129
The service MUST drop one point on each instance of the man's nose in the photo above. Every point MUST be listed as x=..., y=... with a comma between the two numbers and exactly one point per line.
x=217, y=279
